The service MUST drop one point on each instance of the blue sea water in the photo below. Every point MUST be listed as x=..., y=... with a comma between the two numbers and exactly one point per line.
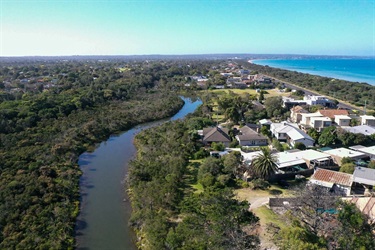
x=355, y=70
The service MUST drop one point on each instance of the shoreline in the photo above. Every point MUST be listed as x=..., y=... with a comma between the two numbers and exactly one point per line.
x=352, y=77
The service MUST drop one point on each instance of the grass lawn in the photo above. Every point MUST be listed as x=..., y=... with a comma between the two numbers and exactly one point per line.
x=248, y=194
x=266, y=215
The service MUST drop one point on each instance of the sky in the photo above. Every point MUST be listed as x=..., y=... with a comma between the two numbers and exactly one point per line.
x=131, y=27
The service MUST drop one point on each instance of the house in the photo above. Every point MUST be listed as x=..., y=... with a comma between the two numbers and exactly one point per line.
x=289, y=162
x=306, y=119
x=226, y=74
x=331, y=113
x=254, y=127
x=248, y=137
x=361, y=129
x=295, y=113
x=243, y=72
x=364, y=176
x=337, y=182
x=321, y=119
x=368, y=120
x=217, y=135
x=320, y=123
x=265, y=122
x=289, y=102
x=369, y=151
x=339, y=153
x=290, y=133
x=311, y=158
x=342, y=120
x=318, y=100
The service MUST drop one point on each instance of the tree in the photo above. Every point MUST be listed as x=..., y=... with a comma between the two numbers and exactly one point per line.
x=313, y=133
x=231, y=162
x=276, y=144
x=354, y=231
x=264, y=164
x=328, y=136
x=313, y=203
x=261, y=96
x=347, y=168
x=274, y=106
x=265, y=131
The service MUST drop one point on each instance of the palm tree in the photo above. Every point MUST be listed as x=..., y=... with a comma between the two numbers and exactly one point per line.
x=264, y=164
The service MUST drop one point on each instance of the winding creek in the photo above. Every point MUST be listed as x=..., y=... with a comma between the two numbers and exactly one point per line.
x=105, y=210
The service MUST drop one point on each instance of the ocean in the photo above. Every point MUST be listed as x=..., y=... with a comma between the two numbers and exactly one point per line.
x=354, y=70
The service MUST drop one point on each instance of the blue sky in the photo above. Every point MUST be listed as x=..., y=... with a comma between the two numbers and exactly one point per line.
x=114, y=27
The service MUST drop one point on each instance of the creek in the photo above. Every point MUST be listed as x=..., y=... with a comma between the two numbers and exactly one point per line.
x=105, y=208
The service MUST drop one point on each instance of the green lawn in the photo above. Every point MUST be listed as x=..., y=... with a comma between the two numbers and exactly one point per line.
x=266, y=216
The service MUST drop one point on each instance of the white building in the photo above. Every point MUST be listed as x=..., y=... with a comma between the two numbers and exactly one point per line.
x=368, y=120
x=318, y=100
x=339, y=153
x=342, y=120
x=290, y=133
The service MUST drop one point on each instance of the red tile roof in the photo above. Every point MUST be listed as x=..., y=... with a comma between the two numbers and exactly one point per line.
x=332, y=177
x=332, y=112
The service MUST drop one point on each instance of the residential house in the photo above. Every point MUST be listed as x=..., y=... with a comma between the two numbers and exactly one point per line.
x=338, y=182
x=331, y=113
x=306, y=119
x=254, y=127
x=289, y=102
x=295, y=113
x=342, y=120
x=248, y=137
x=339, y=153
x=226, y=74
x=320, y=123
x=243, y=72
x=318, y=100
x=265, y=122
x=290, y=162
x=369, y=151
x=217, y=135
x=364, y=176
x=361, y=129
x=320, y=119
x=290, y=133
x=368, y=120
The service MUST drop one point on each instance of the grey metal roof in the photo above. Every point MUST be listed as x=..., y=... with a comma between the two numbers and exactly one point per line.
x=364, y=176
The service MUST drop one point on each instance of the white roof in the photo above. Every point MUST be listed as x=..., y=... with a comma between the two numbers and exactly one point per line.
x=265, y=121
x=367, y=150
x=297, y=134
x=250, y=156
x=287, y=159
x=368, y=117
x=316, y=114
x=344, y=152
x=342, y=117
x=322, y=118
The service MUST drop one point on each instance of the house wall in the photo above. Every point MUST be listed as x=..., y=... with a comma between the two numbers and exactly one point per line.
x=369, y=122
x=253, y=143
x=342, y=122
